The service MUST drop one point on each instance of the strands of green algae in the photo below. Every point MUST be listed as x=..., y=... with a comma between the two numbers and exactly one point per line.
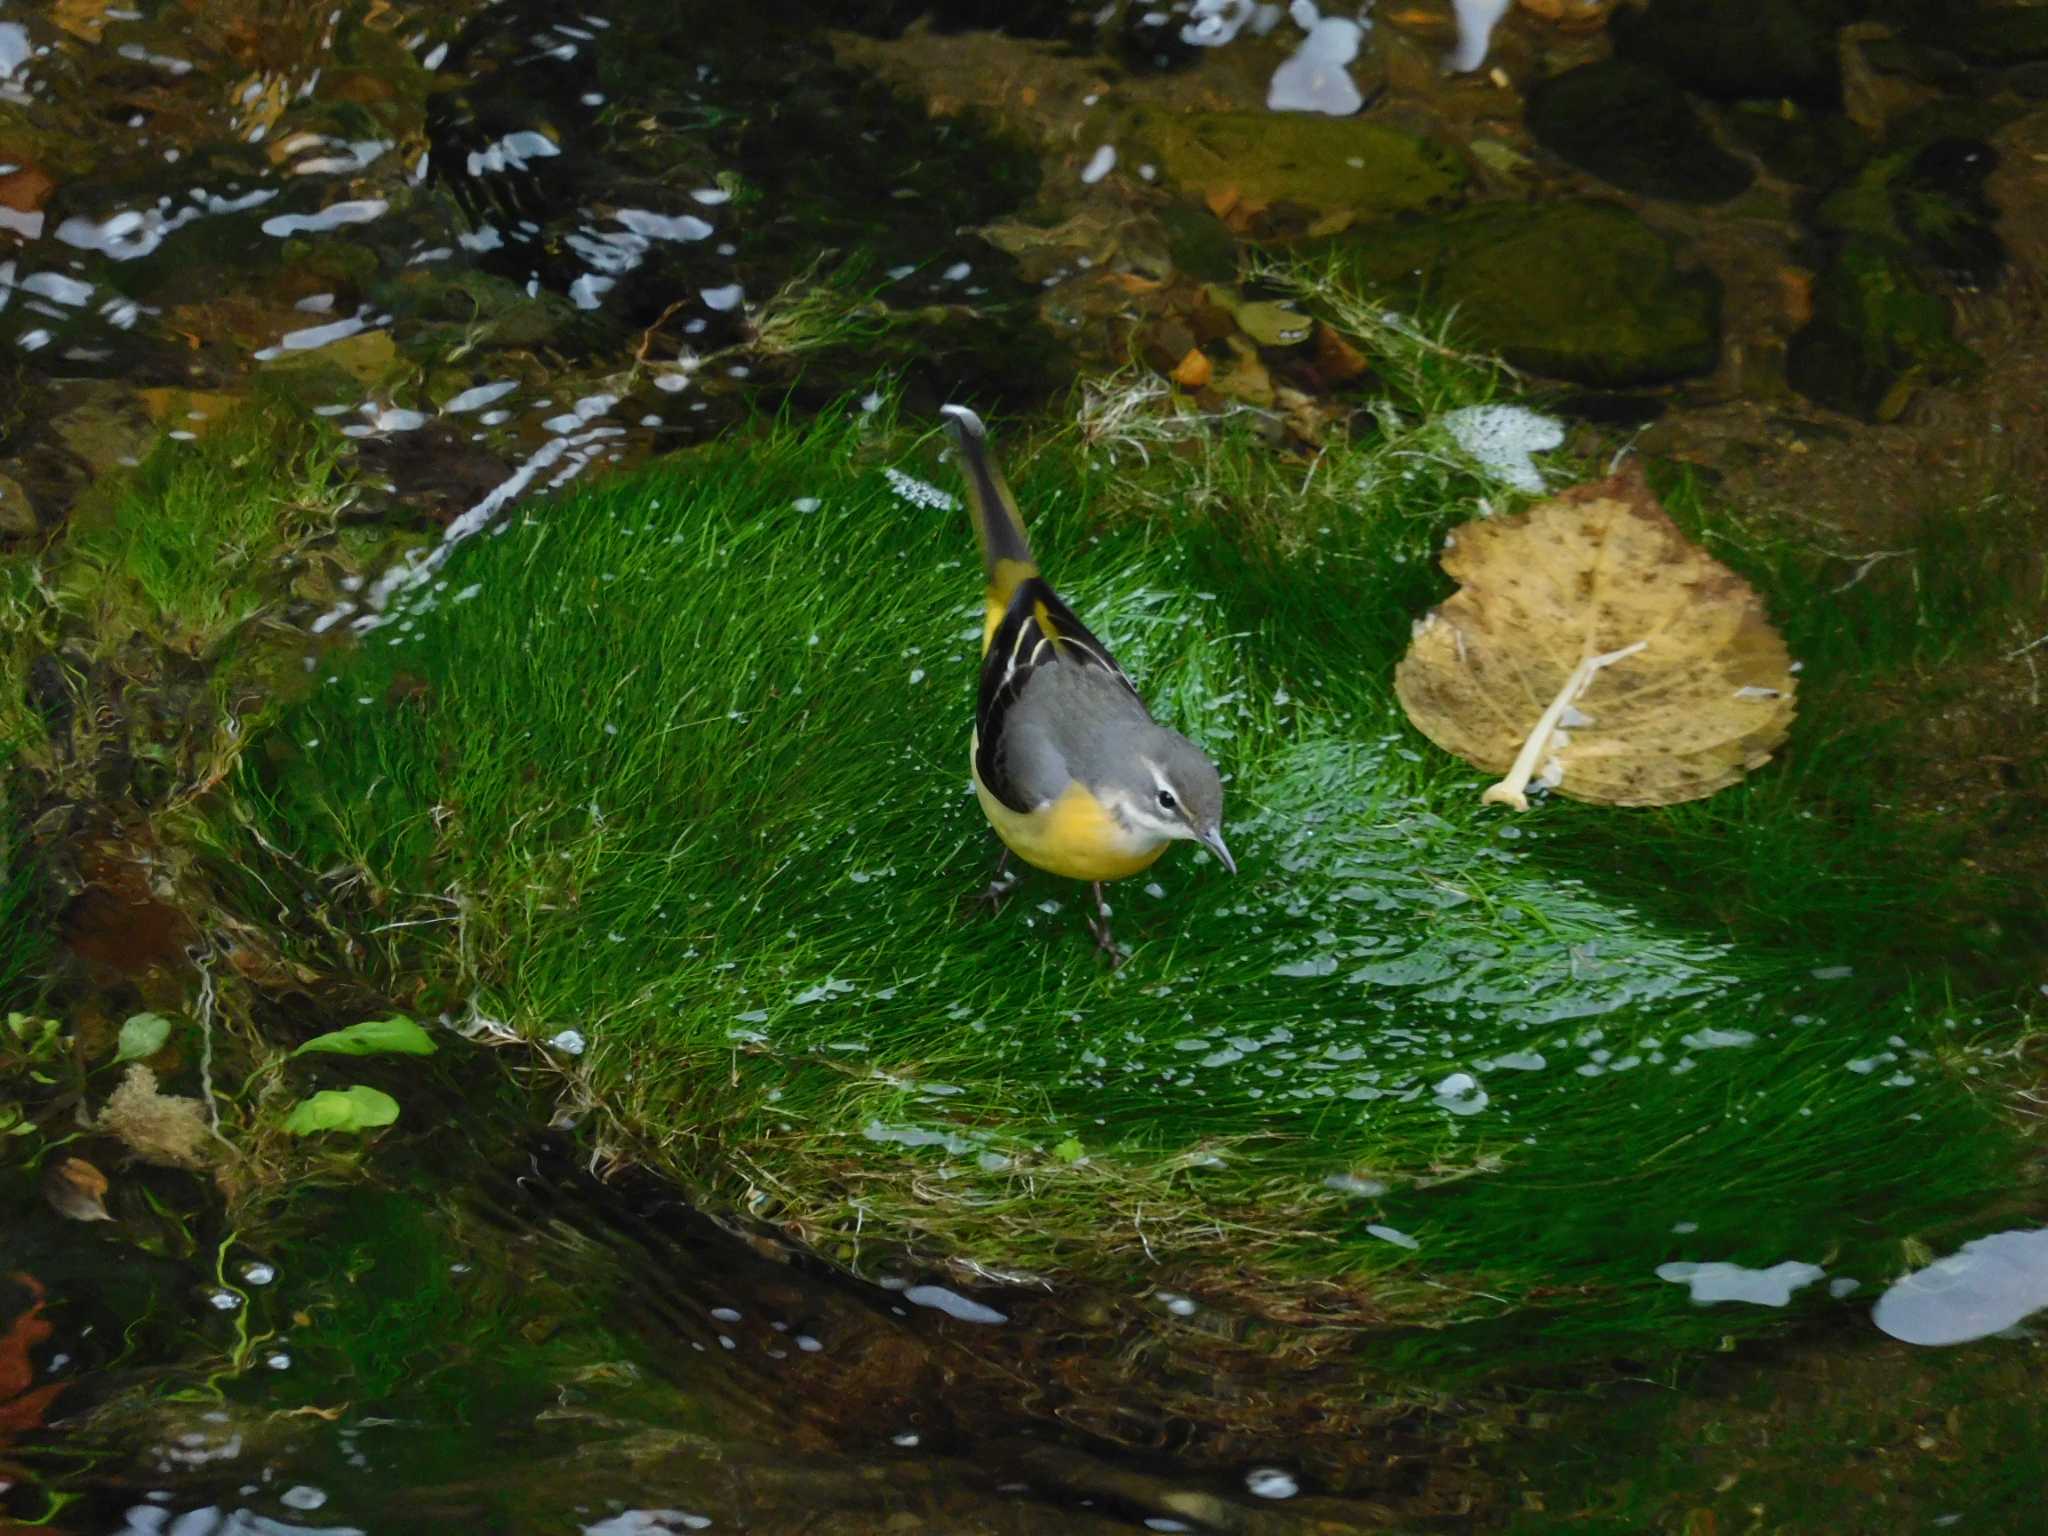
x=673, y=770
x=24, y=939
x=192, y=544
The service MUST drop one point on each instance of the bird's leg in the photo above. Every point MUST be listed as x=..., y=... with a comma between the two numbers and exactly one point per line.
x=1099, y=926
x=999, y=887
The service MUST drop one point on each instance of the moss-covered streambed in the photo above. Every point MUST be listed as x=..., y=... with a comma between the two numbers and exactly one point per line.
x=668, y=779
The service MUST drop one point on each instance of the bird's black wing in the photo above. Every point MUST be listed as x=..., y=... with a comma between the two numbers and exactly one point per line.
x=1036, y=630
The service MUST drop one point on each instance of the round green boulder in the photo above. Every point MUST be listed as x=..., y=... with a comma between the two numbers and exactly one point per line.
x=1576, y=290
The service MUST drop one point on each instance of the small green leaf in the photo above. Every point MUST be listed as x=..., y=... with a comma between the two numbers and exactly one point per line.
x=1068, y=1151
x=1273, y=325
x=143, y=1035
x=342, y=1109
x=38, y=1036
x=396, y=1035
x=41, y=1039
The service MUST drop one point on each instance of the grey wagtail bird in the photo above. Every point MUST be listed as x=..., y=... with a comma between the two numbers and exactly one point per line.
x=1073, y=772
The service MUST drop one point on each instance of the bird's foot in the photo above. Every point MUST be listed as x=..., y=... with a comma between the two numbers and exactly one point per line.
x=1098, y=925
x=992, y=895
x=1107, y=944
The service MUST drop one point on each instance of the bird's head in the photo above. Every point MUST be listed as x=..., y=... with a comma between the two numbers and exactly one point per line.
x=1169, y=788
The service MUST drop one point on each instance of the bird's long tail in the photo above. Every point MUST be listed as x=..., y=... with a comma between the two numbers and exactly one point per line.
x=1004, y=550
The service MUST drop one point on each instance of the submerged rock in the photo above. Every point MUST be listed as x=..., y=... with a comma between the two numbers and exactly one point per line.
x=1879, y=332
x=1813, y=149
x=1929, y=200
x=1328, y=165
x=1740, y=48
x=1906, y=226
x=1630, y=125
x=1576, y=290
x=1997, y=34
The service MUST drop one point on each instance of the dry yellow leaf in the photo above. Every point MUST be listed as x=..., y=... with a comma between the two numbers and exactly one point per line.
x=75, y=1188
x=1193, y=371
x=1593, y=648
x=85, y=19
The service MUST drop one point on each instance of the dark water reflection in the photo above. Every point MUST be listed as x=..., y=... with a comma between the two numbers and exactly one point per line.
x=523, y=1347
x=474, y=235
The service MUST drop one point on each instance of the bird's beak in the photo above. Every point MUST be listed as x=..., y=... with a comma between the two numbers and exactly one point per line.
x=1213, y=841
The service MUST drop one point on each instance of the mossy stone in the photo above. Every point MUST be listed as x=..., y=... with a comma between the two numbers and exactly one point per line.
x=1926, y=62
x=2001, y=34
x=1630, y=125
x=1576, y=290
x=1322, y=163
x=1948, y=218
x=1929, y=199
x=1878, y=333
x=1811, y=149
x=1978, y=116
x=2029, y=80
x=1199, y=243
x=1740, y=48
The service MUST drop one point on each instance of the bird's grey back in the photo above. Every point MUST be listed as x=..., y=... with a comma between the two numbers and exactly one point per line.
x=1070, y=722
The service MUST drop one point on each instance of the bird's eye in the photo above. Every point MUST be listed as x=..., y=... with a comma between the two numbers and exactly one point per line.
x=1166, y=800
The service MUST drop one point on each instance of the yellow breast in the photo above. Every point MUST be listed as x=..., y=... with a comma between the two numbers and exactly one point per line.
x=1075, y=836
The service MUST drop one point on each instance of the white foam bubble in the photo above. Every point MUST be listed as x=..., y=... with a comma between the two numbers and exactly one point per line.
x=1712, y=1282
x=360, y=210
x=512, y=152
x=1503, y=437
x=1271, y=1483
x=1212, y=23
x=1984, y=1287
x=480, y=395
x=662, y=226
x=953, y=1304
x=1316, y=78
x=1476, y=21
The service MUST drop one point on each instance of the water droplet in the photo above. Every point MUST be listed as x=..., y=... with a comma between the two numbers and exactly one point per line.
x=1271, y=1483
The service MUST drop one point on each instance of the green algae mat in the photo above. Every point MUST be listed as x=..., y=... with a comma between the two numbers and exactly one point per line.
x=669, y=778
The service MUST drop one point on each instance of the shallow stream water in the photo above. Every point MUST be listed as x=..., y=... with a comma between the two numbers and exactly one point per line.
x=508, y=246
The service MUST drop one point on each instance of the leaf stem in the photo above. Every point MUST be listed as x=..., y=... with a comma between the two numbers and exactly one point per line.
x=1510, y=790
